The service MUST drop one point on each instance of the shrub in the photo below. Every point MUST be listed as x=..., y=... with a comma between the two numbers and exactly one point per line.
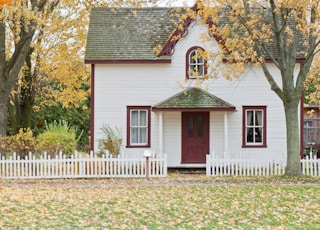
x=22, y=143
x=77, y=117
x=112, y=140
x=58, y=136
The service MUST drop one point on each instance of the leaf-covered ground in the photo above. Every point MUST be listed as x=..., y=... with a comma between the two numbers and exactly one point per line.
x=176, y=202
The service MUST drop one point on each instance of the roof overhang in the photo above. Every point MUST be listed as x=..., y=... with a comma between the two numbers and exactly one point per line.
x=192, y=109
x=156, y=61
x=193, y=99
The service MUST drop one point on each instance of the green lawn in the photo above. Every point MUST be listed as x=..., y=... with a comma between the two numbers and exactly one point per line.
x=176, y=202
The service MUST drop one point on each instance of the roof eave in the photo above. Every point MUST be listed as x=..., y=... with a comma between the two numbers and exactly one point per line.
x=267, y=60
x=135, y=61
x=212, y=109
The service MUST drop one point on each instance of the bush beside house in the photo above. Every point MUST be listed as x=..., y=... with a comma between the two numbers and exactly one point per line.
x=21, y=143
x=58, y=136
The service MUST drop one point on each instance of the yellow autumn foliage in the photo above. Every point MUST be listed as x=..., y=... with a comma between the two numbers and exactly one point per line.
x=21, y=143
x=61, y=76
x=312, y=84
x=5, y=2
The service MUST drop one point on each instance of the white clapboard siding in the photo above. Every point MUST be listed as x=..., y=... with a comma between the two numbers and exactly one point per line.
x=79, y=166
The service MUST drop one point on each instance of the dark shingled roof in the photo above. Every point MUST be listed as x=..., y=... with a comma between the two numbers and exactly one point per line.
x=194, y=98
x=131, y=34
x=127, y=33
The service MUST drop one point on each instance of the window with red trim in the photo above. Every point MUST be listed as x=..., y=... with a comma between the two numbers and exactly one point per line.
x=138, y=126
x=254, y=126
x=195, y=63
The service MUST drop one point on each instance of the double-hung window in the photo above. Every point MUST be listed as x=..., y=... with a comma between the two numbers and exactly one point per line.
x=138, y=126
x=254, y=126
x=195, y=63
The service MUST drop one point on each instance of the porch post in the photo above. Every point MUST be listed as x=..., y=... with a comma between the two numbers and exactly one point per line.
x=160, y=133
x=225, y=134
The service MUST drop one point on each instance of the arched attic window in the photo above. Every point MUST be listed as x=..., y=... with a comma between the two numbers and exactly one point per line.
x=195, y=63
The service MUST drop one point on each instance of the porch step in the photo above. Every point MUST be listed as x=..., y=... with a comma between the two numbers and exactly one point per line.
x=187, y=170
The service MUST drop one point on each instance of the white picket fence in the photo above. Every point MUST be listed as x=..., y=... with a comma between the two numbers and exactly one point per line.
x=135, y=166
x=310, y=166
x=79, y=166
x=256, y=167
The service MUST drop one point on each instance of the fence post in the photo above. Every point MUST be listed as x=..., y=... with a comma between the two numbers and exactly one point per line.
x=208, y=165
x=147, y=154
x=165, y=165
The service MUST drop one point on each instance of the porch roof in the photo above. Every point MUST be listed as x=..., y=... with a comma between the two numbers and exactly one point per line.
x=193, y=99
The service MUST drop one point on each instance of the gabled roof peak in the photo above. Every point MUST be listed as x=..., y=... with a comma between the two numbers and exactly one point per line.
x=193, y=99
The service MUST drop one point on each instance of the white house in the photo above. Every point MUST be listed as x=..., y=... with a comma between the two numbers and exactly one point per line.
x=140, y=93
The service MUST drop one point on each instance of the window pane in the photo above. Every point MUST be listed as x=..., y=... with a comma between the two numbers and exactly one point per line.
x=134, y=118
x=190, y=126
x=200, y=125
x=258, y=118
x=143, y=135
x=258, y=135
x=249, y=135
x=201, y=69
x=249, y=118
x=192, y=57
x=200, y=60
x=193, y=70
x=134, y=135
x=143, y=118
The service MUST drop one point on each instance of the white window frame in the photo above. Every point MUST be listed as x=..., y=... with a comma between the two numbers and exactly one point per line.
x=195, y=60
x=260, y=125
x=138, y=127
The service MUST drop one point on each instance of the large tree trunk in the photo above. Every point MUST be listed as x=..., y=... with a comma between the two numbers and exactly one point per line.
x=293, y=139
x=10, y=67
x=27, y=94
x=20, y=111
x=9, y=70
x=4, y=101
x=26, y=113
x=3, y=96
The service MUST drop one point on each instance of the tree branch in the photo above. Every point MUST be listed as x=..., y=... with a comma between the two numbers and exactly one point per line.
x=270, y=79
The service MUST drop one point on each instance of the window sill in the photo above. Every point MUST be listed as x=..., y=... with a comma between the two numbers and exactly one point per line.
x=137, y=146
x=254, y=146
x=195, y=77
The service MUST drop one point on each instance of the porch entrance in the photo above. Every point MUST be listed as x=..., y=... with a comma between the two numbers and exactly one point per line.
x=195, y=137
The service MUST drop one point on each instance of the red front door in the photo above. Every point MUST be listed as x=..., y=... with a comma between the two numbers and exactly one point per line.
x=195, y=137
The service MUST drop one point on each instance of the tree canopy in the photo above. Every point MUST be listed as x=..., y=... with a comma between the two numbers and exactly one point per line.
x=273, y=34
x=41, y=57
